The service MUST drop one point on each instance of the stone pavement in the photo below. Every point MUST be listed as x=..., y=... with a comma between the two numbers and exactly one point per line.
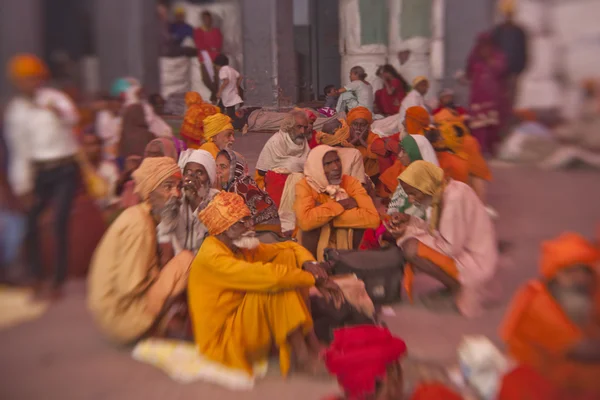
x=61, y=355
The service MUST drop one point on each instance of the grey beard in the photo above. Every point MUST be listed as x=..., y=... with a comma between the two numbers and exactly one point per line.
x=169, y=215
x=248, y=241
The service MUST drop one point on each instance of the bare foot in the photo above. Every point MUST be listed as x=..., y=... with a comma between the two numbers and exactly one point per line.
x=312, y=366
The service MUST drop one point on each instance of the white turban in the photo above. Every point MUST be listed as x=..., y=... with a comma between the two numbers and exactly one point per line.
x=201, y=157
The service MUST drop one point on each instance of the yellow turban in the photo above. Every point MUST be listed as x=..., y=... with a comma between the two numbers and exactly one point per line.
x=452, y=139
x=152, y=172
x=418, y=80
x=359, y=112
x=223, y=211
x=338, y=138
x=429, y=179
x=216, y=124
x=26, y=66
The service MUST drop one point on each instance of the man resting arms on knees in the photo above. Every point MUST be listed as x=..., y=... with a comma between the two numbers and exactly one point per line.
x=458, y=247
x=244, y=296
x=127, y=289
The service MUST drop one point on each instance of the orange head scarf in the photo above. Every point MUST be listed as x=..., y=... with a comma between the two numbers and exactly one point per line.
x=193, y=98
x=359, y=112
x=26, y=66
x=565, y=251
x=417, y=119
x=223, y=211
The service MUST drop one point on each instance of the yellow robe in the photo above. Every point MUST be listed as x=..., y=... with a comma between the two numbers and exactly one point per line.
x=211, y=147
x=318, y=210
x=241, y=304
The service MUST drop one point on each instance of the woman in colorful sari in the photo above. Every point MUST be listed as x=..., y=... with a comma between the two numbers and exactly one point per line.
x=389, y=98
x=232, y=176
x=456, y=246
x=192, y=129
x=487, y=71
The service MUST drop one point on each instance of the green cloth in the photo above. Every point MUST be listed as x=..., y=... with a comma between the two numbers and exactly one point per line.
x=373, y=21
x=415, y=19
x=409, y=144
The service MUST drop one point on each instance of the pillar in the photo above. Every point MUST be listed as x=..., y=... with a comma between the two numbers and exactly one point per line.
x=20, y=32
x=126, y=37
x=269, y=53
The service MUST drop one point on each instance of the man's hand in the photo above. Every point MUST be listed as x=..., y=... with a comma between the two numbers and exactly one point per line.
x=331, y=292
x=397, y=223
x=190, y=192
x=348, y=203
x=317, y=270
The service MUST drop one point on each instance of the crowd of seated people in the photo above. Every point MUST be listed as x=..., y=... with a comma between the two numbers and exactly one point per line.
x=189, y=223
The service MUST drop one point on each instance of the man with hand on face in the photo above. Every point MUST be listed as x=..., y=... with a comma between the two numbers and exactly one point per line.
x=360, y=120
x=218, y=133
x=245, y=296
x=330, y=205
x=128, y=288
x=199, y=176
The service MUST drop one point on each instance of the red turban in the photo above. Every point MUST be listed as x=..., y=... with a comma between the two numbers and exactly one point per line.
x=565, y=251
x=359, y=112
x=434, y=391
x=360, y=355
x=524, y=383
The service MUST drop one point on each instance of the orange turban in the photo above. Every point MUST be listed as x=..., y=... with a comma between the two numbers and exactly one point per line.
x=434, y=391
x=524, y=383
x=216, y=124
x=193, y=98
x=223, y=211
x=26, y=66
x=152, y=172
x=565, y=251
x=417, y=119
x=359, y=112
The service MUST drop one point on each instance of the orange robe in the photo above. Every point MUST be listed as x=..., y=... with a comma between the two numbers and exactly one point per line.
x=211, y=147
x=539, y=334
x=388, y=180
x=453, y=166
x=370, y=158
x=477, y=165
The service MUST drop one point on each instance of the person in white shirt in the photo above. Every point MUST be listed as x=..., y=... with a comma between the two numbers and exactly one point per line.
x=416, y=97
x=228, y=94
x=43, y=169
x=358, y=93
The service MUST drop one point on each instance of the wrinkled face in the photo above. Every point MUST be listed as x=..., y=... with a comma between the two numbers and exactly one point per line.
x=166, y=196
x=415, y=196
x=422, y=87
x=579, y=279
x=196, y=174
x=300, y=131
x=223, y=168
x=225, y=139
x=403, y=157
x=360, y=128
x=447, y=100
x=332, y=165
x=310, y=127
x=92, y=147
x=153, y=150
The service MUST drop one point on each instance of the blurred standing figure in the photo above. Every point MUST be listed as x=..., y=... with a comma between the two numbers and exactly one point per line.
x=511, y=39
x=43, y=168
x=209, y=42
x=486, y=69
x=180, y=29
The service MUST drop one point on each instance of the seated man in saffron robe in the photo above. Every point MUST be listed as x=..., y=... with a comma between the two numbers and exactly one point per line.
x=457, y=246
x=218, y=133
x=245, y=297
x=283, y=154
x=553, y=324
x=359, y=120
x=128, y=288
x=332, y=209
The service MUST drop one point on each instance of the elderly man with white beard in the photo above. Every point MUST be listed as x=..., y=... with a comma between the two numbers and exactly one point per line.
x=245, y=296
x=129, y=289
x=199, y=175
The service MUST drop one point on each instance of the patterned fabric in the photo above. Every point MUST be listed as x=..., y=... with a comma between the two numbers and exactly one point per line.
x=223, y=211
x=192, y=128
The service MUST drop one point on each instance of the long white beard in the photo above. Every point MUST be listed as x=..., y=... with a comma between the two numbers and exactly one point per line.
x=248, y=241
x=170, y=214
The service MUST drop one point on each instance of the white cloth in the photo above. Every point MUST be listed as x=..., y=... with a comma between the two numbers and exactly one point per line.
x=109, y=171
x=34, y=133
x=426, y=149
x=281, y=151
x=207, y=61
x=190, y=231
x=108, y=127
x=363, y=92
x=201, y=157
x=412, y=99
x=230, y=96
